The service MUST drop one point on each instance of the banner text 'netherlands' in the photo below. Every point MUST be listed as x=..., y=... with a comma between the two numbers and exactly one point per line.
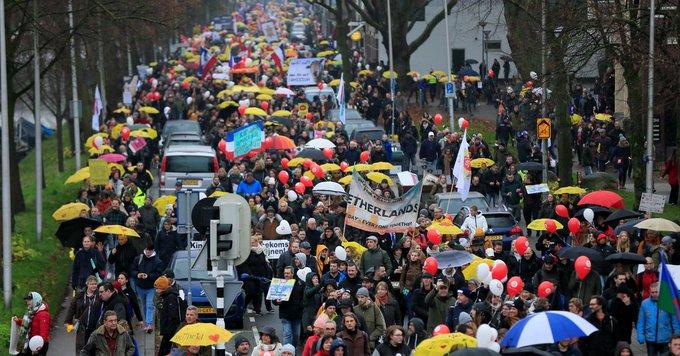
x=370, y=212
x=243, y=140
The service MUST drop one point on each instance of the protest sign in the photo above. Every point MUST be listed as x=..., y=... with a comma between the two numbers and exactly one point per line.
x=275, y=248
x=137, y=144
x=653, y=203
x=537, y=188
x=99, y=172
x=269, y=31
x=370, y=212
x=305, y=71
x=280, y=289
x=244, y=139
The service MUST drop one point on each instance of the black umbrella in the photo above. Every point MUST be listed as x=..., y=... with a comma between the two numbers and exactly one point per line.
x=530, y=166
x=626, y=258
x=621, y=214
x=313, y=154
x=574, y=252
x=628, y=227
x=471, y=61
x=70, y=232
x=474, y=352
x=596, y=209
x=452, y=258
x=281, y=120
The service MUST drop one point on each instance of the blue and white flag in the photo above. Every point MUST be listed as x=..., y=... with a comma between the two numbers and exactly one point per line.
x=341, y=99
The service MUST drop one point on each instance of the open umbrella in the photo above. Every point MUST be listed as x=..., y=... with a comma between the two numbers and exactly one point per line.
x=382, y=166
x=471, y=61
x=628, y=227
x=116, y=230
x=441, y=344
x=547, y=328
x=281, y=120
x=70, y=232
x=255, y=111
x=358, y=248
x=570, y=190
x=69, y=211
x=359, y=167
x=596, y=209
x=79, y=176
x=471, y=271
x=345, y=180
x=658, y=224
x=149, y=110
x=621, y=214
x=329, y=188
x=320, y=144
x=574, y=252
x=284, y=91
x=453, y=258
x=625, y=258
x=313, y=154
x=539, y=224
x=379, y=177
x=281, y=143
x=201, y=334
x=467, y=71
x=479, y=162
x=162, y=202
x=448, y=229
x=602, y=198
x=112, y=157
x=282, y=113
x=530, y=166
x=330, y=167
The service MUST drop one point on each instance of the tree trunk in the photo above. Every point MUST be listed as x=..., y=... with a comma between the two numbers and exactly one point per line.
x=561, y=99
x=523, y=35
x=17, y=196
x=60, y=141
x=637, y=125
x=341, y=31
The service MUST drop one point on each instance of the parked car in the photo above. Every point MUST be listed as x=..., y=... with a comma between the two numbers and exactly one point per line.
x=194, y=166
x=311, y=92
x=188, y=138
x=452, y=204
x=361, y=132
x=179, y=126
x=206, y=313
x=350, y=115
x=502, y=227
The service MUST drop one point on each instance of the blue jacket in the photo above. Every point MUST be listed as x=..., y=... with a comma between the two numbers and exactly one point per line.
x=454, y=313
x=646, y=328
x=86, y=263
x=246, y=189
x=387, y=147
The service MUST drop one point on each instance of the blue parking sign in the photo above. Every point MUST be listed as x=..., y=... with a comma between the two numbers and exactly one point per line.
x=450, y=90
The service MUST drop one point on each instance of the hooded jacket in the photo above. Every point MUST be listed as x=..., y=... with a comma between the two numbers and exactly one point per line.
x=375, y=323
x=374, y=258
x=169, y=312
x=311, y=301
x=418, y=336
x=410, y=274
x=97, y=345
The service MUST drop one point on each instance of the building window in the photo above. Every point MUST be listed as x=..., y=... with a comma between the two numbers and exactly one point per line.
x=493, y=45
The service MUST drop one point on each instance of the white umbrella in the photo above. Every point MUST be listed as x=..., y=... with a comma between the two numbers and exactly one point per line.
x=320, y=144
x=284, y=91
x=658, y=224
x=328, y=188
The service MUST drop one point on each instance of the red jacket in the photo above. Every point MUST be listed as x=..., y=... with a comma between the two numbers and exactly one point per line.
x=644, y=280
x=307, y=350
x=671, y=169
x=40, y=325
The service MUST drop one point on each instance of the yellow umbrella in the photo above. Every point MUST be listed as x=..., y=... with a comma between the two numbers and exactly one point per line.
x=441, y=345
x=413, y=73
x=354, y=84
x=201, y=334
x=309, y=175
x=125, y=111
x=539, y=224
x=251, y=89
x=282, y=113
x=444, y=79
x=576, y=119
x=296, y=162
x=345, y=180
x=143, y=133
x=264, y=97
x=190, y=78
x=570, y=190
x=116, y=230
x=101, y=150
x=445, y=229
x=334, y=82
x=115, y=131
x=69, y=211
x=330, y=167
x=357, y=247
x=390, y=74
x=179, y=68
x=217, y=193
x=439, y=73
x=324, y=42
x=148, y=110
x=359, y=167
x=161, y=202
x=428, y=77
x=224, y=93
x=470, y=271
x=379, y=177
x=603, y=117
x=255, y=111
x=478, y=162
x=226, y=104
x=365, y=72
x=90, y=140
x=119, y=167
x=153, y=64
x=382, y=166
x=268, y=91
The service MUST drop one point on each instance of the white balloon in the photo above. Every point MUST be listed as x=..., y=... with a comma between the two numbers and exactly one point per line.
x=292, y=195
x=340, y=253
x=190, y=100
x=496, y=287
x=98, y=142
x=589, y=214
x=35, y=343
x=206, y=94
x=130, y=121
x=283, y=228
x=483, y=271
x=302, y=273
x=494, y=346
x=484, y=333
x=487, y=279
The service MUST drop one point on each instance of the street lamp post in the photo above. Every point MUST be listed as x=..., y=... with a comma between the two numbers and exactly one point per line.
x=6, y=201
x=649, y=164
x=449, y=99
x=483, y=24
x=389, y=39
x=485, y=49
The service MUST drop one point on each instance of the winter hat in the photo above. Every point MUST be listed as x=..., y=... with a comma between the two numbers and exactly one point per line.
x=362, y=292
x=464, y=318
x=239, y=339
x=288, y=348
x=518, y=304
x=331, y=302
x=162, y=283
x=336, y=344
x=319, y=323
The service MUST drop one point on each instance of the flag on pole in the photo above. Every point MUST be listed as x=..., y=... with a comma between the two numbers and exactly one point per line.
x=96, y=109
x=341, y=99
x=207, y=63
x=462, y=170
x=278, y=56
x=668, y=291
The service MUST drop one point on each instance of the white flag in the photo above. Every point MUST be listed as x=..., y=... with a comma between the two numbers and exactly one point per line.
x=341, y=99
x=462, y=170
x=96, y=109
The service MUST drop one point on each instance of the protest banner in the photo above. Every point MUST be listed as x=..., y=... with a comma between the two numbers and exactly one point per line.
x=99, y=172
x=244, y=139
x=280, y=289
x=269, y=31
x=275, y=248
x=370, y=212
x=137, y=144
x=305, y=71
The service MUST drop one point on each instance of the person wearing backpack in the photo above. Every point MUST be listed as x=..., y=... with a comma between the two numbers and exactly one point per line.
x=169, y=312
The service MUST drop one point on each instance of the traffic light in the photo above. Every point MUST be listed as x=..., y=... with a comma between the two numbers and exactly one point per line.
x=230, y=234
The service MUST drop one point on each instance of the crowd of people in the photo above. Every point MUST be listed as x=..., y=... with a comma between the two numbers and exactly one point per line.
x=382, y=297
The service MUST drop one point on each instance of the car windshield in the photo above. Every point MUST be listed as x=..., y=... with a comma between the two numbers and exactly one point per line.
x=498, y=221
x=375, y=134
x=181, y=126
x=189, y=164
x=453, y=205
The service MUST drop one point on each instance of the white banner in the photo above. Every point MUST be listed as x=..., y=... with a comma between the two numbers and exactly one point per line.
x=305, y=71
x=269, y=31
x=275, y=248
x=370, y=212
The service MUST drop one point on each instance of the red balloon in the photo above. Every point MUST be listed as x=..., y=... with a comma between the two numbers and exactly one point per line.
x=284, y=163
x=267, y=143
x=514, y=286
x=550, y=226
x=465, y=124
x=530, y=84
x=545, y=289
x=320, y=85
x=241, y=110
x=307, y=163
x=438, y=119
x=318, y=172
x=491, y=74
x=283, y=177
x=562, y=211
x=364, y=156
x=430, y=266
x=149, y=95
x=521, y=244
x=582, y=267
x=156, y=96
x=441, y=329
x=186, y=85
x=264, y=105
x=499, y=271
x=300, y=188
x=574, y=225
x=328, y=152
x=434, y=236
x=309, y=116
x=306, y=182
x=125, y=133
x=222, y=145
x=343, y=165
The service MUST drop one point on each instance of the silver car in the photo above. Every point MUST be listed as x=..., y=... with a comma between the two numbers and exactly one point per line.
x=193, y=166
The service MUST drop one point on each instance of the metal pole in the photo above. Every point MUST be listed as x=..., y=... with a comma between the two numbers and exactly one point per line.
x=448, y=66
x=389, y=39
x=38, y=129
x=190, y=234
x=6, y=201
x=220, y=348
x=102, y=74
x=75, y=107
x=129, y=59
x=649, y=179
x=544, y=91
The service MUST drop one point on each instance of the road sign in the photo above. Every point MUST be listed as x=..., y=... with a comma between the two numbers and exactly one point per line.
x=450, y=90
x=652, y=203
x=543, y=128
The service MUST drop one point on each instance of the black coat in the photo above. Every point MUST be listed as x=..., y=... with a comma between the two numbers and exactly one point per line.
x=169, y=312
x=123, y=258
x=152, y=266
x=292, y=309
x=166, y=244
x=83, y=266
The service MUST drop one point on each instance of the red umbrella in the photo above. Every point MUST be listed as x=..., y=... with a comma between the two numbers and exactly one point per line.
x=281, y=143
x=112, y=157
x=602, y=198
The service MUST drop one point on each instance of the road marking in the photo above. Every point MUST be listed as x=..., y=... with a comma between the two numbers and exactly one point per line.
x=256, y=335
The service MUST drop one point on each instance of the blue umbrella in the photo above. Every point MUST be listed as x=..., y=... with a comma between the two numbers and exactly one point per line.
x=467, y=71
x=547, y=328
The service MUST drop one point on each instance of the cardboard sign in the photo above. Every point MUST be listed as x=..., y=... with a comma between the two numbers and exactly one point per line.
x=305, y=71
x=275, y=248
x=280, y=289
x=99, y=172
x=537, y=188
x=137, y=144
x=653, y=203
